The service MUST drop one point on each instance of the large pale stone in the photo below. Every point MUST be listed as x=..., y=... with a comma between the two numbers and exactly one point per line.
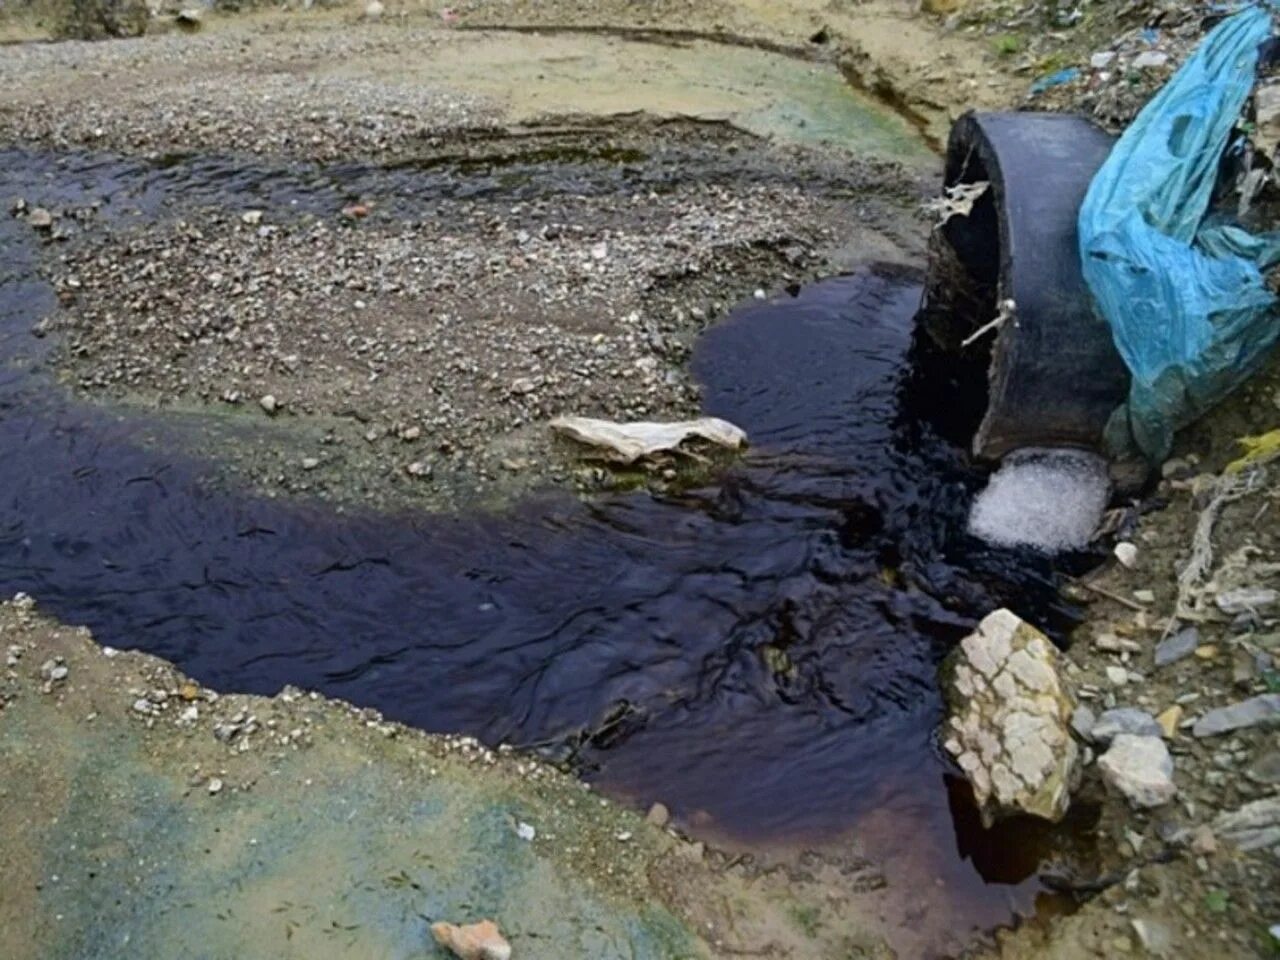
x=1140, y=768
x=1009, y=724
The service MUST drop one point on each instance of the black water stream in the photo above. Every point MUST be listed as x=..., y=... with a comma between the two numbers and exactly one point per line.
x=759, y=654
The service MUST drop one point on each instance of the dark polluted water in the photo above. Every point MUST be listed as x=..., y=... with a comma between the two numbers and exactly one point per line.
x=760, y=654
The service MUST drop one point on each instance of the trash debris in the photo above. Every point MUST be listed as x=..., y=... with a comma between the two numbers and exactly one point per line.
x=957, y=200
x=1007, y=312
x=473, y=941
x=626, y=443
x=1056, y=79
x=1185, y=297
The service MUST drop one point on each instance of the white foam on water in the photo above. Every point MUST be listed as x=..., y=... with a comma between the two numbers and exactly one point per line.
x=1049, y=499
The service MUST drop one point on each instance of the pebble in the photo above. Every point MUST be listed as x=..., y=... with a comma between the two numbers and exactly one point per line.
x=215, y=786
x=310, y=463
x=1140, y=768
x=1118, y=676
x=1266, y=769
x=658, y=815
x=373, y=10
x=1144, y=596
x=1102, y=59
x=1150, y=58
x=1169, y=721
x=40, y=218
x=1177, y=647
x=525, y=831
x=53, y=671
x=1127, y=554
x=269, y=403
x=1238, y=716
x=1129, y=720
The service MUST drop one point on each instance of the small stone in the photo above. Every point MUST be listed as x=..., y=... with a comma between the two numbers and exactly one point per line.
x=1248, y=713
x=759, y=294
x=525, y=831
x=40, y=219
x=474, y=941
x=410, y=434
x=1144, y=596
x=1169, y=721
x=1246, y=600
x=1140, y=768
x=1102, y=59
x=251, y=217
x=1129, y=720
x=1082, y=721
x=624, y=836
x=1203, y=842
x=1177, y=647
x=1110, y=643
x=269, y=403
x=189, y=691
x=1207, y=652
x=53, y=671
x=215, y=786
x=1127, y=554
x=658, y=815
x=1117, y=676
x=418, y=469
x=144, y=706
x=373, y=10
x=600, y=251
x=310, y=463
x=1266, y=769
x=1154, y=935
x=523, y=386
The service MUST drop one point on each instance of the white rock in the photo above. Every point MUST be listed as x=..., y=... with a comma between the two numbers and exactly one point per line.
x=1009, y=723
x=525, y=831
x=1140, y=768
x=373, y=10
x=1150, y=58
x=1102, y=59
x=1118, y=676
x=1126, y=553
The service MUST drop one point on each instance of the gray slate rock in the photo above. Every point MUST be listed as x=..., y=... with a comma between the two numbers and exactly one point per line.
x=1178, y=647
x=1130, y=720
x=1248, y=713
x=1255, y=826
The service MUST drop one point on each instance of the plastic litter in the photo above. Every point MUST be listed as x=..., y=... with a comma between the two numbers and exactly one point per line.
x=1184, y=296
x=1055, y=79
x=628, y=442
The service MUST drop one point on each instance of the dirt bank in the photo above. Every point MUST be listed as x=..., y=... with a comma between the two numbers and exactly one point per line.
x=299, y=826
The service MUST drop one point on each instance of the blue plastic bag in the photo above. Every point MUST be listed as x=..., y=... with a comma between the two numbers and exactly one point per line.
x=1185, y=299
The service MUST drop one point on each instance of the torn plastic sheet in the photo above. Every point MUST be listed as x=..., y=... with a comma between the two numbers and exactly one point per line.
x=1184, y=297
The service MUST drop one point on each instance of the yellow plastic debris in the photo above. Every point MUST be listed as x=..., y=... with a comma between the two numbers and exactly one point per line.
x=1259, y=449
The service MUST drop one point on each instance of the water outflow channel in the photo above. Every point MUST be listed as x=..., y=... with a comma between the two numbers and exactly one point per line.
x=759, y=654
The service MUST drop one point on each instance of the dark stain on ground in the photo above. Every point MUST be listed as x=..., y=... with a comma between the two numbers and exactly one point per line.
x=760, y=654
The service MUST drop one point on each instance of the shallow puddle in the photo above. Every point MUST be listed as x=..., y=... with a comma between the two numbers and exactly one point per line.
x=759, y=654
